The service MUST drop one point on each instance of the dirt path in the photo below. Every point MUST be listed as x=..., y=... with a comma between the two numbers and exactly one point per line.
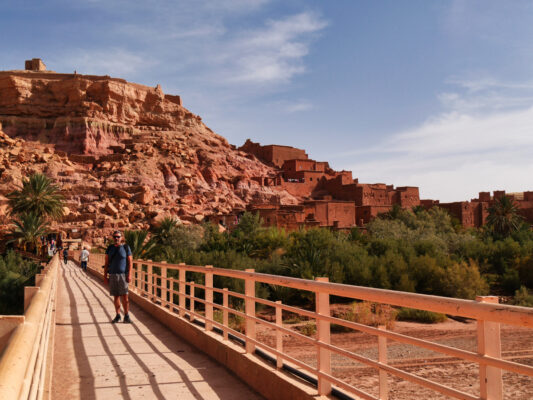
x=94, y=359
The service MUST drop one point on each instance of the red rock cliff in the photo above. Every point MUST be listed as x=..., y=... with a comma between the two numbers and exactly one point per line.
x=124, y=154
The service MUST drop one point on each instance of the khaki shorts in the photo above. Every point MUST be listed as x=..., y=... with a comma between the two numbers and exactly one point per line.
x=118, y=285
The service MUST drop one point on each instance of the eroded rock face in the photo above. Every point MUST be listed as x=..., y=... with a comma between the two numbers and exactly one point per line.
x=84, y=114
x=123, y=154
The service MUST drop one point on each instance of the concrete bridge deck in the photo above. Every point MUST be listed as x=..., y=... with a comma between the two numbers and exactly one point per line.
x=94, y=359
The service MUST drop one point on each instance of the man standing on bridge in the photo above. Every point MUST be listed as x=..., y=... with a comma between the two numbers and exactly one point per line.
x=118, y=263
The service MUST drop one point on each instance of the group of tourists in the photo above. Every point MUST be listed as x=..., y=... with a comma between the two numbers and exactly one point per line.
x=51, y=245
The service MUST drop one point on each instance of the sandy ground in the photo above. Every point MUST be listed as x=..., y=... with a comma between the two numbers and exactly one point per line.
x=94, y=359
x=517, y=346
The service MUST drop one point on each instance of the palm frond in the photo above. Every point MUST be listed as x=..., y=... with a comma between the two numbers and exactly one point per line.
x=37, y=195
x=27, y=229
x=140, y=247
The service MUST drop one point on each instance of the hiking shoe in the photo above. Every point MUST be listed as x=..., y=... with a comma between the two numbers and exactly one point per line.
x=117, y=319
x=127, y=319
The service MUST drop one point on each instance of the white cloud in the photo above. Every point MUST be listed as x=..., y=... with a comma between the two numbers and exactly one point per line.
x=485, y=93
x=273, y=54
x=202, y=40
x=488, y=82
x=456, y=155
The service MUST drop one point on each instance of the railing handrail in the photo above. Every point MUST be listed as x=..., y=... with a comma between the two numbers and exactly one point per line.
x=18, y=374
x=172, y=292
x=503, y=313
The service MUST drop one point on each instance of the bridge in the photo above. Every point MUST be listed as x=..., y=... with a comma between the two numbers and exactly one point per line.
x=193, y=338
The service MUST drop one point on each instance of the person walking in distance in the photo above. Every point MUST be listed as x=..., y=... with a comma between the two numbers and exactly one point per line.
x=84, y=258
x=65, y=255
x=117, y=272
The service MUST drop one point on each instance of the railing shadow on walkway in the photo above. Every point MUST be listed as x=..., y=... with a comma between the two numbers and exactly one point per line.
x=89, y=287
x=80, y=352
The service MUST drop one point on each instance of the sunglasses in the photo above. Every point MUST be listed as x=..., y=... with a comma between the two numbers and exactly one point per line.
x=116, y=237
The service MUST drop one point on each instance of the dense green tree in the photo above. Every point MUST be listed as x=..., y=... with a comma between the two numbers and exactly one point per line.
x=422, y=251
x=248, y=226
x=523, y=298
x=418, y=209
x=15, y=273
x=214, y=240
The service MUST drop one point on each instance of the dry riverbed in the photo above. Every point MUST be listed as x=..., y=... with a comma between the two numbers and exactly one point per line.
x=517, y=346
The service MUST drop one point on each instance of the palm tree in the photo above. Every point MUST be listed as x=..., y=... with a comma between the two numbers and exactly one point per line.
x=162, y=233
x=38, y=195
x=28, y=229
x=503, y=218
x=140, y=248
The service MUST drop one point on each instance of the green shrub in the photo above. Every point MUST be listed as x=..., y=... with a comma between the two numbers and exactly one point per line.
x=523, y=298
x=525, y=271
x=463, y=280
x=15, y=273
x=425, y=317
x=308, y=329
x=235, y=322
x=372, y=314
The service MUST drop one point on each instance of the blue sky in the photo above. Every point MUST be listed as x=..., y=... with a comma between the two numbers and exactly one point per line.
x=424, y=93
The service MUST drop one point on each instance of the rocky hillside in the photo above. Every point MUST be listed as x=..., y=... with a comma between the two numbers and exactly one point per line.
x=125, y=155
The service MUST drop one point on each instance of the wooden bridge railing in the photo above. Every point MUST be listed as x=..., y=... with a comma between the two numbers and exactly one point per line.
x=167, y=285
x=24, y=361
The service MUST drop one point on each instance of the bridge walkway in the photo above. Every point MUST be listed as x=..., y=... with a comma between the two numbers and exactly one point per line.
x=95, y=359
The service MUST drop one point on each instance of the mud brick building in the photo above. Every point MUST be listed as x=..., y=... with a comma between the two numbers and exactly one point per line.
x=335, y=199
x=327, y=197
x=273, y=154
x=35, y=64
x=474, y=213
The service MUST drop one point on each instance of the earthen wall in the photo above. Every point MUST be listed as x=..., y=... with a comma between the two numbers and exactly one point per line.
x=364, y=214
x=273, y=154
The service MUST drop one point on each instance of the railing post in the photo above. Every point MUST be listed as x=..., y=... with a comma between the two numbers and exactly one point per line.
x=225, y=317
x=140, y=277
x=150, y=275
x=135, y=275
x=489, y=344
x=164, y=285
x=29, y=292
x=141, y=281
x=182, y=289
x=249, y=307
x=208, y=298
x=323, y=335
x=382, y=358
x=191, y=300
x=279, y=335
x=38, y=279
